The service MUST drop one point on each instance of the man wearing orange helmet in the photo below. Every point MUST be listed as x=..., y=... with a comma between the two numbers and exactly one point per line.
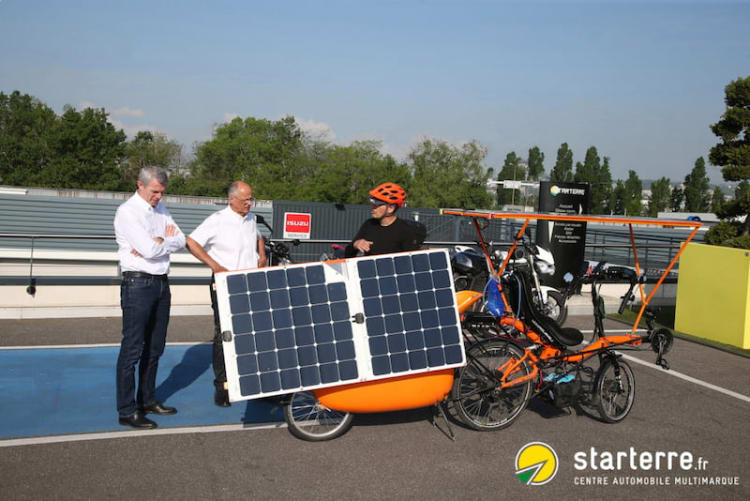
x=384, y=232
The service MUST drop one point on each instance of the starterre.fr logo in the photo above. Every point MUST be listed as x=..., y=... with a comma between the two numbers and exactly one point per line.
x=554, y=190
x=536, y=463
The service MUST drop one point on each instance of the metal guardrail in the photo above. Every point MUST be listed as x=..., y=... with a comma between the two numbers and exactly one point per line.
x=620, y=253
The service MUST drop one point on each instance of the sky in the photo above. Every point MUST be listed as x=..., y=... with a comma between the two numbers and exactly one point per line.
x=642, y=81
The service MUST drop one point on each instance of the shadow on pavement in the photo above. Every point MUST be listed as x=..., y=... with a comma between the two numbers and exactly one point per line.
x=194, y=363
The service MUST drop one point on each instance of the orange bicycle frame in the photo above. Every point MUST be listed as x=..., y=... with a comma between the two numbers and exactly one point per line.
x=550, y=352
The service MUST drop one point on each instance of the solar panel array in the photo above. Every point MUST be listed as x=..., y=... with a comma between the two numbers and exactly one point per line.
x=291, y=329
x=313, y=325
x=410, y=312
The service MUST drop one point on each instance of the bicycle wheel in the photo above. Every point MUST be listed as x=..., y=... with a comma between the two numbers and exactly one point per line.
x=614, y=390
x=480, y=403
x=310, y=421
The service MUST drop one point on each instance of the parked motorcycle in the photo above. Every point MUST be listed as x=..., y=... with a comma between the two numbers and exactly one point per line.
x=539, y=261
x=276, y=252
x=471, y=272
x=469, y=268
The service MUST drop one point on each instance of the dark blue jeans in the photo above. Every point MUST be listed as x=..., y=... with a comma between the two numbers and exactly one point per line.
x=145, y=315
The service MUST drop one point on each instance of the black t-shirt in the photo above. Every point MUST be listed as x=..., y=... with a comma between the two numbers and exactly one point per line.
x=398, y=236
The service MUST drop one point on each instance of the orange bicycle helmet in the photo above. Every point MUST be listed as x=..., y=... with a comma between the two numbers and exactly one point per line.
x=390, y=193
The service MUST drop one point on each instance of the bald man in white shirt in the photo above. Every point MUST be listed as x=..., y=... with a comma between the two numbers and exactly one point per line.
x=227, y=240
x=146, y=235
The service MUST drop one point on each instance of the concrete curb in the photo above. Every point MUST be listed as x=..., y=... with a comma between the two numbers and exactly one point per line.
x=581, y=305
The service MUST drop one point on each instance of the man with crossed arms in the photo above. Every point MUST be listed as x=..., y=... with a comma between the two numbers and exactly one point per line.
x=227, y=240
x=146, y=235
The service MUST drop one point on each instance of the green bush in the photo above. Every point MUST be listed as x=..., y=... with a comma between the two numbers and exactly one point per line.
x=727, y=234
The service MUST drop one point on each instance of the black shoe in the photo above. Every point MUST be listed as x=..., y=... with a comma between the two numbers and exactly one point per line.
x=137, y=420
x=221, y=397
x=158, y=408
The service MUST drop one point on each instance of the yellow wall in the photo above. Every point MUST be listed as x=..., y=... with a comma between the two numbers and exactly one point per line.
x=713, y=294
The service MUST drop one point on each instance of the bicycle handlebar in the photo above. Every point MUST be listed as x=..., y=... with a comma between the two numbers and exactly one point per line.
x=626, y=298
x=611, y=274
x=634, y=279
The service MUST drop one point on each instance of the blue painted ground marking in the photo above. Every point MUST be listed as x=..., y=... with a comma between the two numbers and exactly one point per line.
x=72, y=390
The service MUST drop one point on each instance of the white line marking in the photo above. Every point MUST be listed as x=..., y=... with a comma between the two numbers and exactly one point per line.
x=674, y=373
x=137, y=433
x=100, y=345
x=690, y=379
x=613, y=331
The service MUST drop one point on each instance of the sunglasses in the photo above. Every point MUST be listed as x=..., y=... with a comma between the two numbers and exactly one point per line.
x=377, y=203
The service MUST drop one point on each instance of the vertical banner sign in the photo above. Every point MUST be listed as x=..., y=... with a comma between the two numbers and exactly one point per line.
x=297, y=225
x=566, y=240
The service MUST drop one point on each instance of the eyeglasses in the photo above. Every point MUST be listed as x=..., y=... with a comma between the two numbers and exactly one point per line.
x=247, y=200
x=377, y=203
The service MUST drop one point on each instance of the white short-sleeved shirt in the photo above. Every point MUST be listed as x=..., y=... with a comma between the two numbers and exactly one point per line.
x=136, y=226
x=230, y=239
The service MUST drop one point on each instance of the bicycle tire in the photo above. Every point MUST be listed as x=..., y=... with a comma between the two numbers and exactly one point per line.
x=480, y=404
x=614, y=397
x=310, y=421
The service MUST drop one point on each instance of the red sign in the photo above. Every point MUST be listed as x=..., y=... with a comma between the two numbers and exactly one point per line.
x=297, y=225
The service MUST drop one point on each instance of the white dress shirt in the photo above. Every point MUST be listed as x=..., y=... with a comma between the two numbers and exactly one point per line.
x=136, y=226
x=230, y=239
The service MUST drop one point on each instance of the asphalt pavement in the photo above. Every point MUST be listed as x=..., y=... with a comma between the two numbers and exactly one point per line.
x=698, y=410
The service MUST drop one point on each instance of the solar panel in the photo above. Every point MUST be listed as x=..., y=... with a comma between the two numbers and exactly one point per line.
x=306, y=326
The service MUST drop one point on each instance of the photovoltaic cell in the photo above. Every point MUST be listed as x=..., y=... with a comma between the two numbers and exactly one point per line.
x=308, y=326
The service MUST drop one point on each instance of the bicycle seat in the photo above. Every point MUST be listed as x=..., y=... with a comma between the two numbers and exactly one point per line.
x=567, y=336
x=561, y=337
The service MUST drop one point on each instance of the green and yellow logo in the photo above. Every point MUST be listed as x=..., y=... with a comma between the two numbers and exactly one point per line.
x=554, y=190
x=536, y=463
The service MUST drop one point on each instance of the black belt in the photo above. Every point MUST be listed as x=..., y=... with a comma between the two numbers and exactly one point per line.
x=141, y=274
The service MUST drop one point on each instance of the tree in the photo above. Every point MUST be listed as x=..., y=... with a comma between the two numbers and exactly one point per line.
x=678, y=195
x=512, y=170
x=587, y=171
x=75, y=150
x=742, y=190
x=25, y=124
x=448, y=176
x=697, y=188
x=536, y=163
x=619, y=198
x=86, y=151
x=262, y=152
x=597, y=175
x=733, y=155
x=660, y=197
x=562, y=172
x=601, y=196
x=717, y=200
x=632, y=195
x=345, y=174
x=149, y=149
